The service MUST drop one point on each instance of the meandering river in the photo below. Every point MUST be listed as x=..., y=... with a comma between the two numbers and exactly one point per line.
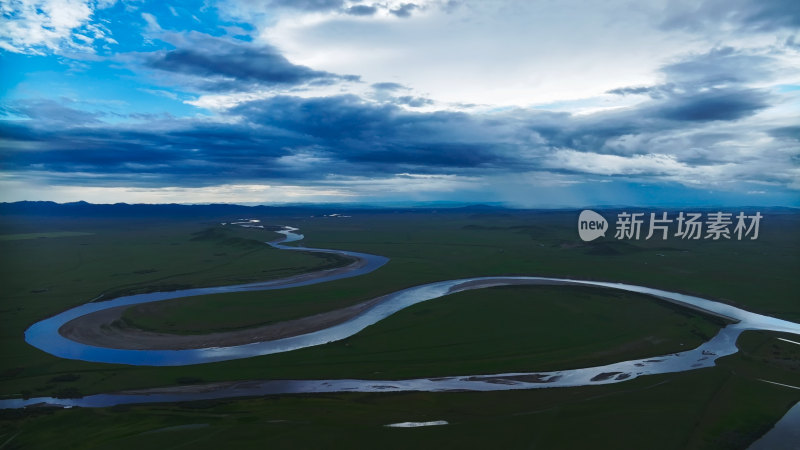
x=45, y=336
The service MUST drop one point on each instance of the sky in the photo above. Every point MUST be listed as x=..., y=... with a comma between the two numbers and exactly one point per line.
x=527, y=103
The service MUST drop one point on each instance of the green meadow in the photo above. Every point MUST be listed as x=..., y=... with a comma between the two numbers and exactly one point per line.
x=534, y=328
x=54, y=234
x=425, y=248
x=716, y=408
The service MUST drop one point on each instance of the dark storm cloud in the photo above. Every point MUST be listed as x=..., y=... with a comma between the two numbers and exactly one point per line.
x=348, y=136
x=711, y=15
x=351, y=136
x=634, y=90
x=13, y=135
x=414, y=102
x=707, y=87
x=195, y=155
x=723, y=104
x=771, y=14
x=219, y=64
x=790, y=133
x=719, y=66
x=361, y=10
x=51, y=112
x=387, y=86
x=404, y=10
x=358, y=131
x=688, y=99
x=653, y=119
x=294, y=138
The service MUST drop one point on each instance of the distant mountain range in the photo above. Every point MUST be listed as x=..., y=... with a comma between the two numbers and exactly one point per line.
x=84, y=209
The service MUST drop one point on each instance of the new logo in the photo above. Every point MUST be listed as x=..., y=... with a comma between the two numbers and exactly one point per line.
x=591, y=225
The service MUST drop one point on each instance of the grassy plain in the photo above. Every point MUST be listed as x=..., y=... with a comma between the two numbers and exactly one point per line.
x=54, y=234
x=756, y=275
x=494, y=330
x=717, y=408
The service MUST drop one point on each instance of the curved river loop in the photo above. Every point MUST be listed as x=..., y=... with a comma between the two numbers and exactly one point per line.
x=45, y=336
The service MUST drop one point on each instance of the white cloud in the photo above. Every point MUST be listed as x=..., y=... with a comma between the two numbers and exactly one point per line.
x=303, y=159
x=493, y=53
x=152, y=23
x=601, y=164
x=764, y=168
x=40, y=26
x=499, y=53
x=13, y=190
x=221, y=102
x=332, y=189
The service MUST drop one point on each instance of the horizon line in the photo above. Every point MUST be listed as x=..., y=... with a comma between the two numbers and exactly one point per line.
x=412, y=205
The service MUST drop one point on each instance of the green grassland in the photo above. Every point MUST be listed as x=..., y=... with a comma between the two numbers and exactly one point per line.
x=520, y=328
x=716, y=408
x=477, y=332
x=41, y=277
x=54, y=234
x=486, y=331
x=756, y=275
x=502, y=329
x=423, y=248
